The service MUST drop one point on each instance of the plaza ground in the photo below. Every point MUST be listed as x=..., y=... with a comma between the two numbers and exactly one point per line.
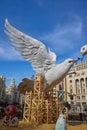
x=27, y=126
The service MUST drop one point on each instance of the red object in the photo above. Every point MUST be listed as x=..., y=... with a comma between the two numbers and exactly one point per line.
x=46, y=97
x=10, y=110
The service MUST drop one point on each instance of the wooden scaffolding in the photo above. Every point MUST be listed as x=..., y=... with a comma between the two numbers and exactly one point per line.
x=27, y=107
x=37, y=102
x=37, y=109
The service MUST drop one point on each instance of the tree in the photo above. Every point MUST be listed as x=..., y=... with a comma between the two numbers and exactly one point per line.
x=26, y=85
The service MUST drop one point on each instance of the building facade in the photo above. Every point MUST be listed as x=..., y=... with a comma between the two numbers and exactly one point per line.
x=12, y=94
x=76, y=83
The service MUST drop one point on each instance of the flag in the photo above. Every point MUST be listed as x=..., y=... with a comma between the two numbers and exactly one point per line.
x=61, y=85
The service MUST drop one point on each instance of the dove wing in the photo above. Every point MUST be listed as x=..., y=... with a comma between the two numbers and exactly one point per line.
x=31, y=49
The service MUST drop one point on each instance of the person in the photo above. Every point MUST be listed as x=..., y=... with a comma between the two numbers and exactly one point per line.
x=84, y=118
x=80, y=116
x=61, y=123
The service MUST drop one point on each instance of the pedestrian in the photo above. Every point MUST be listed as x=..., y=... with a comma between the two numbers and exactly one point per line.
x=61, y=123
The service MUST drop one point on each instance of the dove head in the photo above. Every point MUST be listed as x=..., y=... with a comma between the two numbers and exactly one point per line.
x=83, y=50
x=69, y=62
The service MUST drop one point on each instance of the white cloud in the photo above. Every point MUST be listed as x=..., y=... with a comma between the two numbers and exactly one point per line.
x=9, y=53
x=64, y=36
x=1, y=51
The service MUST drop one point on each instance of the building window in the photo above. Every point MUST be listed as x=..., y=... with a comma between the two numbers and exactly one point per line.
x=83, y=92
x=70, y=76
x=82, y=73
x=78, y=97
x=70, y=86
x=80, y=67
x=71, y=97
x=83, y=97
x=76, y=84
x=83, y=66
x=72, y=103
x=78, y=91
x=70, y=81
x=86, y=83
x=71, y=91
x=81, y=83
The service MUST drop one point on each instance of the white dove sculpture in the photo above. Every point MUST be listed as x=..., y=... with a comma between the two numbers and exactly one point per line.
x=83, y=50
x=35, y=52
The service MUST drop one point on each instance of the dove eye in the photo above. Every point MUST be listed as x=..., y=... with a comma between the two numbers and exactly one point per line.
x=70, y=61
x=83, y=48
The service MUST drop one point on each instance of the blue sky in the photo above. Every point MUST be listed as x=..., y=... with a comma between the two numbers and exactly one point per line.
x=59, y=24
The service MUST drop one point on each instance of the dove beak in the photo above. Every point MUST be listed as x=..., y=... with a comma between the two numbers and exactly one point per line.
x=83, y=53
x=74, y=61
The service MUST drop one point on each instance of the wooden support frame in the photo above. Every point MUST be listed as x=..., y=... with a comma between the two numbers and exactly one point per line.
x=37, y=110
